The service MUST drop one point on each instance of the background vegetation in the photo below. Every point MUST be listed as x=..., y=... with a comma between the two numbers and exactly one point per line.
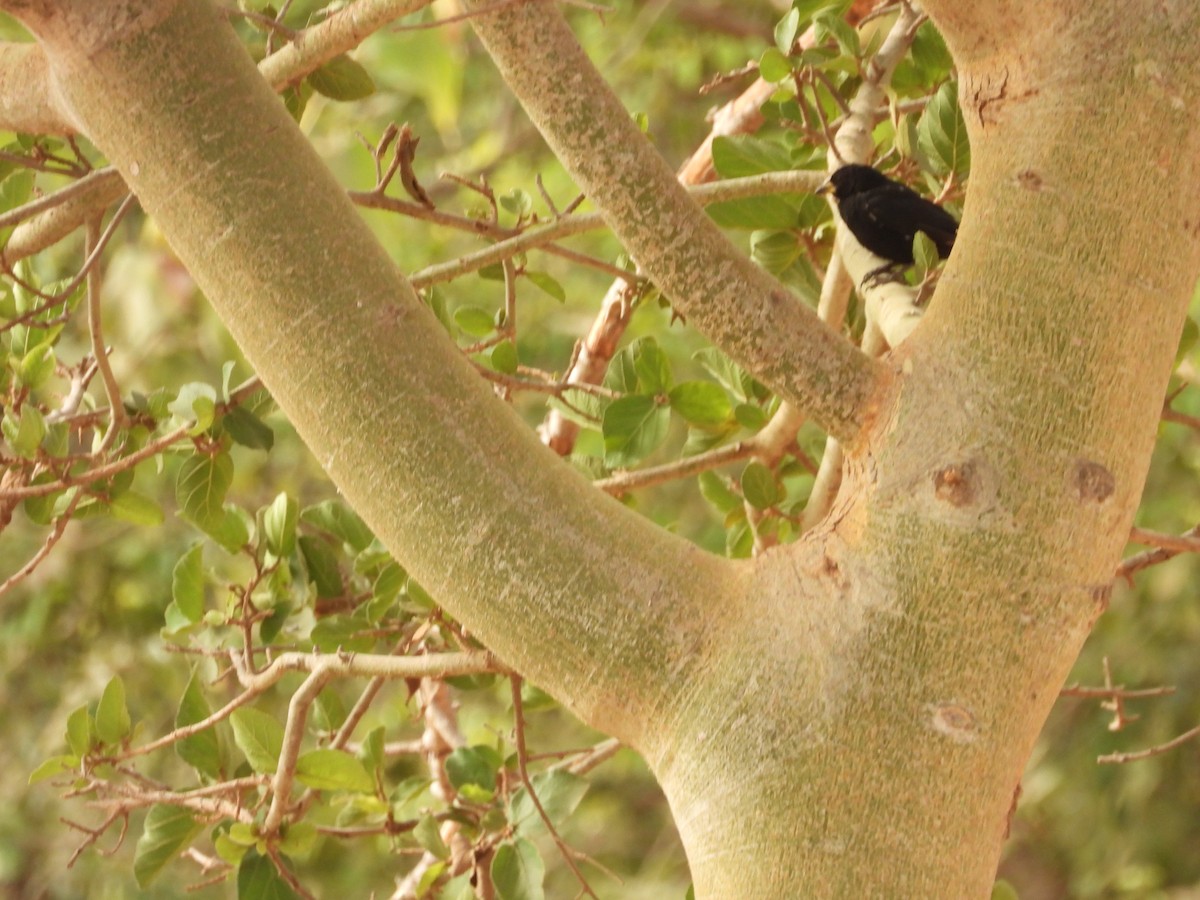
x=95, y=607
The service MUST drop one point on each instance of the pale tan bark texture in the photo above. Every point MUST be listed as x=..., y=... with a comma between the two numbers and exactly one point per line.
x=845, y=717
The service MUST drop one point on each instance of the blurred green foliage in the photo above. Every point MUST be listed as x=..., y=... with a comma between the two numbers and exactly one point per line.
x=120, y=592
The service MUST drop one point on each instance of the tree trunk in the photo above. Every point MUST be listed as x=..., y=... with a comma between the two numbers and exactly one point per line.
x=846, y=716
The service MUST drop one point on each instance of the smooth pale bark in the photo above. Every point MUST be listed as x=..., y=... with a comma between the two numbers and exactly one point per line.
x=849, y=716
x=919, y=635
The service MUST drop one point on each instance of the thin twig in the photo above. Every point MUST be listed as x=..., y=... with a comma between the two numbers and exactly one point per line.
x=56, y=533
x=568, y=854
x=1156, y=750
x=99, y=351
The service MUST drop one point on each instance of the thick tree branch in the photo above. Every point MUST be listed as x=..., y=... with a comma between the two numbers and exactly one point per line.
x=26, y=102
x=739, y=306
x=569, y=587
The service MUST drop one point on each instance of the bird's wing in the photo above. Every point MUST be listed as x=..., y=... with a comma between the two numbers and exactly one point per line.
x=905, y=211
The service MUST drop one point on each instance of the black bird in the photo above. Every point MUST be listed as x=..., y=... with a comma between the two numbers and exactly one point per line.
x=884, y=215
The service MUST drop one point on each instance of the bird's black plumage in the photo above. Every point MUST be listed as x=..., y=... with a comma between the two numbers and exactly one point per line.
x=884, y=215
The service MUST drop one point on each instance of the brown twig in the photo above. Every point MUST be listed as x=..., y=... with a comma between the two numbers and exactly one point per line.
x=1157, y=750
x=568, y=854
x=1134, y=564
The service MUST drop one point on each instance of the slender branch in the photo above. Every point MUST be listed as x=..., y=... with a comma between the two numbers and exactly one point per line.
x=1178, y=543
x=584, y=763
x=99, y=351
x=623, y=482
x=293, y=736
x=125, y=462
x=356, y=665
x=1105, y=693
x=738, y=305
x=891, y=305
x=93, y=254
x=1147, y=558
x=1157, y=750
x=55, y=535
x=567, y=226
x=568, y=854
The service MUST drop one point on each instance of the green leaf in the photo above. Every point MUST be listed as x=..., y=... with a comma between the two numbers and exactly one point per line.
x=15, y=189
x=786, y=30
x=24, y=433
x=559, y=793
x=227, y=368
x=202, y=750
x=428, y=877
x=633, y=428
x=930, y=54
x=701, y=403
x=248, y=429
x=296, y=98
x=727, y=373
x=201, y=486
x=827, y=25
x=651, y=366
x=112, y=715
x=1002, y=890
x=503, y=358
x=259, y=736
x=342, y=79
x=942, y=133
x=773, y=212
x=773, y=65
x=344, y=634
x=37, y=366
x=196, y=402
x=80, y=729
x=279, y=525
x=339, y=520
x=775, y=251
x=736, y=156
x=168, y=829
x=548, y=284
x=1187, y=339
x=371, y=751
x=809, y=8
x=230, y=529
x=333, y=770
x=258, y=879
x=750, y=416
x=136, y=508
x=322, y=566
x=517, y=202
x=518, y=871
x=925, y=255
x=429, y=837
x=299, y=840
x=474, y=321
x=187, y=583
x=42, y=510
x=475, y=765
x=760, y=487
x=53, y=767
x=714, y=489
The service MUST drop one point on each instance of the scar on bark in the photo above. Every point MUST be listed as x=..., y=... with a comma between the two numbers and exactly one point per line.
x=955, y=722
x=1092, y=481
x=988, y=101
x=1012, y=810
x=955, y=484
